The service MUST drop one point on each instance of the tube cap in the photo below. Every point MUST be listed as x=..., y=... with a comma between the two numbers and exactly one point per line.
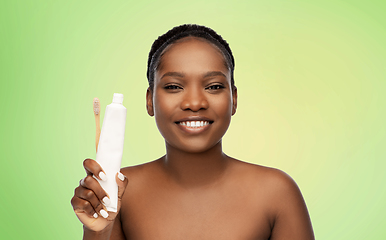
x=118, y=98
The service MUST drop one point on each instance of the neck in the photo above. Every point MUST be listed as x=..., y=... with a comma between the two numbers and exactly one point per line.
x=195, y=169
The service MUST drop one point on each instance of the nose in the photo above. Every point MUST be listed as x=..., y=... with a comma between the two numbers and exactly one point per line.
x=194, y=100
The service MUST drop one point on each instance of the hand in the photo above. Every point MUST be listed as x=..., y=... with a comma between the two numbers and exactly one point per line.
x=89, y=195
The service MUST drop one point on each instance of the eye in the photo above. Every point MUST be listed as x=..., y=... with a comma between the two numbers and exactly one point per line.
x=172, y=87
x=215, y=87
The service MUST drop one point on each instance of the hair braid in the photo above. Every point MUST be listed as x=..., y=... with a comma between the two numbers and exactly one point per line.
x=180, y=32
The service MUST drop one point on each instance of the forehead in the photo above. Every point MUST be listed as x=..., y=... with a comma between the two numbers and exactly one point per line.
x=193, y=40
x=192, y=54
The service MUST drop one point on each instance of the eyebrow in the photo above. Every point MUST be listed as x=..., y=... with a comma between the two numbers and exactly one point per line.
x=181, y=75
x=173, y=74
x=214, y=74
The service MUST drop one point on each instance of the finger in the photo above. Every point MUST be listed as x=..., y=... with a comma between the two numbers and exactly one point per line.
x=122, y=182
x=93, y=168
x=81, y=205
x=89, y=195
x=93, y=185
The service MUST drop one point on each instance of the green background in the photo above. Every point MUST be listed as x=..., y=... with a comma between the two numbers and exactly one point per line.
x=311, y=80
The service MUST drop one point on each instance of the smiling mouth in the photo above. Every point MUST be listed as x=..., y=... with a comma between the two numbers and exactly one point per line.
x=195, y=124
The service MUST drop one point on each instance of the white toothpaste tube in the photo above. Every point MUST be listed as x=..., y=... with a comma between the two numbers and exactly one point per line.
x=110, y=148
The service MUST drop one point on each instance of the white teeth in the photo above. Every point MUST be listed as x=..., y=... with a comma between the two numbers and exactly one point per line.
x=194, y=124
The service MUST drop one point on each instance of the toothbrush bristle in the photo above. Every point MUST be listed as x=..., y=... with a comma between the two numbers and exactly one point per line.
x=96, y=106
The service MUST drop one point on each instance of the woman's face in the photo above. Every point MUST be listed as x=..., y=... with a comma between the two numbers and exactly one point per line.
x=192, y=100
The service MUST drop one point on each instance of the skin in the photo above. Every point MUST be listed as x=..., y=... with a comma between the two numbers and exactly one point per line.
x=195, y=191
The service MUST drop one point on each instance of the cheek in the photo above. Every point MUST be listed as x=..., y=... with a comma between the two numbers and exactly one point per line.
x=164, y=107
x=161, y=113
x=222, y=106
x=161, y=104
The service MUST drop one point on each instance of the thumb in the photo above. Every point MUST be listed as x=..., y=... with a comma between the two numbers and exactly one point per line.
x=122, y=182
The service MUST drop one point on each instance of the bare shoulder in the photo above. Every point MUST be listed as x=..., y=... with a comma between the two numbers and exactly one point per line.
x=143, y=179
x=141, y=171
x=267, y=177
x=287, y=210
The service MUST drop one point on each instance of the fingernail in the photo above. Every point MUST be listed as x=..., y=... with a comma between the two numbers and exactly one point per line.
x=104, y=213
x=95, y=215
x=106, y=200
x=102, y=175
x=82, y=182
x=121, y=176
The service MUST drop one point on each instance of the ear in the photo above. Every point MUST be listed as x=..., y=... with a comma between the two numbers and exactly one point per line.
x=234, y=98
x=149, y=102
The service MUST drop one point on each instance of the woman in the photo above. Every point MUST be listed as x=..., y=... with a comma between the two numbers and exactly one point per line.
x=195, y=191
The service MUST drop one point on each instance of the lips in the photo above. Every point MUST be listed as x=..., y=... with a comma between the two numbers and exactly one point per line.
x=192, y=119
x=194, y=124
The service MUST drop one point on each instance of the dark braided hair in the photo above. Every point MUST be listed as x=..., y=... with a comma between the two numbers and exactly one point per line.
x=180, y=32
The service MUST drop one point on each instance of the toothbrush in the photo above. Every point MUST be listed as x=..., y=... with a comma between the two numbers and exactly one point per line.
x=97, y=107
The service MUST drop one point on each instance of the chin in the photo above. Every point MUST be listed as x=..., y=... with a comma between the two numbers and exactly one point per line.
x=194, y=147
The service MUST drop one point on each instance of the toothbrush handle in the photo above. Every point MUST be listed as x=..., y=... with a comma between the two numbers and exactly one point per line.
x=98, y=131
